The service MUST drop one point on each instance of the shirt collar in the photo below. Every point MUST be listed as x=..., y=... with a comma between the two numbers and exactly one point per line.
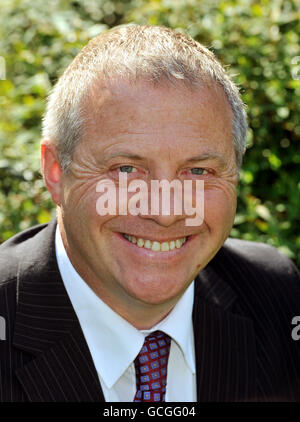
x=113, y=342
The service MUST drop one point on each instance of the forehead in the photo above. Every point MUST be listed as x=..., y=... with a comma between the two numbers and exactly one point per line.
x=157, y=115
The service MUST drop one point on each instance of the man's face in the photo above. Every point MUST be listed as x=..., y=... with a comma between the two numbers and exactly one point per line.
x=151, y=133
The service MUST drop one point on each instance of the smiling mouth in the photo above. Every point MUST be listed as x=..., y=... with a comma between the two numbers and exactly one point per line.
x=154, y=245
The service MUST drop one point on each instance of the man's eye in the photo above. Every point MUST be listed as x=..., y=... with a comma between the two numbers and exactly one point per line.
x=127, y=169
x=198, y=170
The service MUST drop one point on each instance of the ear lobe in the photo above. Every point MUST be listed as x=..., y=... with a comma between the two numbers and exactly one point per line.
x=51, y=170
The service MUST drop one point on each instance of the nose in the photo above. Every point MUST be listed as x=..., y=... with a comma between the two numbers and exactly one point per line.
x=165, y=202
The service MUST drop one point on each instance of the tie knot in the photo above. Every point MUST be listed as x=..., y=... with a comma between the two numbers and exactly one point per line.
x=159, y=338
x=151, y=367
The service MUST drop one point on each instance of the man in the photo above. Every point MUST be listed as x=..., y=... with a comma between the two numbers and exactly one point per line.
x=142, y=306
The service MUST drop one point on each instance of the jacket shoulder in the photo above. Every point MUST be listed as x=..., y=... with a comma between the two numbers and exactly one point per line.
x=260, y=257
x=259, y=271
x=12, y=252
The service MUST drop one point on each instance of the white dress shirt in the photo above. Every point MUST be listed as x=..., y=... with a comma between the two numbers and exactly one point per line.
x=114, y=343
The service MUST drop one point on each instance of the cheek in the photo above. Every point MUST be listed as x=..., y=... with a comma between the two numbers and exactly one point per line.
x=80, y=207
x=219, y=207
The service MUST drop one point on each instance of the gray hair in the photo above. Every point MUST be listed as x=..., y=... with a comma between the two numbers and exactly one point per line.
x=153, y=53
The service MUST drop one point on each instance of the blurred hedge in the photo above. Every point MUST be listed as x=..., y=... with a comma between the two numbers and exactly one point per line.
x=258, y=40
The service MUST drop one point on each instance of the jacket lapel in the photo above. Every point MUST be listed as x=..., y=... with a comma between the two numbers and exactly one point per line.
x=224, y=343
x=58, y=364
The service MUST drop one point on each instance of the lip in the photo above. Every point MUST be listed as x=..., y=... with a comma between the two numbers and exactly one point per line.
x=167, y=256
x=165, y=239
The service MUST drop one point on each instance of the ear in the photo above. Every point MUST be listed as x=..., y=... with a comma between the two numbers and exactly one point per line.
x=51, y=170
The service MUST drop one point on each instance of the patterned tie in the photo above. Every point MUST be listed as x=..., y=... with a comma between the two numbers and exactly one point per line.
x=151, y=368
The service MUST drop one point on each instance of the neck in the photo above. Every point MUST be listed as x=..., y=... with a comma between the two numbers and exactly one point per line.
x=142, y=316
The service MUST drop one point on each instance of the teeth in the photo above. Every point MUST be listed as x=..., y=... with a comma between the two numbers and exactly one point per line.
x=154, y=245
x=140, y=242
x=178, y=243
x=147, y=244
x=164, y=247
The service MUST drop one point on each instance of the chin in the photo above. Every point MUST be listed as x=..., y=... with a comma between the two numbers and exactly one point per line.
x=156, y=290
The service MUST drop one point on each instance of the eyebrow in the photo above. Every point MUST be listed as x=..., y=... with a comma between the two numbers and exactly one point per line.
x=207, y=156
x=124, y=154
x=194, y=159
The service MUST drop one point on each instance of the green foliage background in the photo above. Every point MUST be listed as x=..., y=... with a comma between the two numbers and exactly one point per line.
x=258, y=40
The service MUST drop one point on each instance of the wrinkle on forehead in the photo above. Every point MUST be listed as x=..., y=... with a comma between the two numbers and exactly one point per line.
x=103, y=93
x=129, y=113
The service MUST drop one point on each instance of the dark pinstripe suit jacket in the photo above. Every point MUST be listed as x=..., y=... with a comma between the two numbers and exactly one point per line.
x=245, y=300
